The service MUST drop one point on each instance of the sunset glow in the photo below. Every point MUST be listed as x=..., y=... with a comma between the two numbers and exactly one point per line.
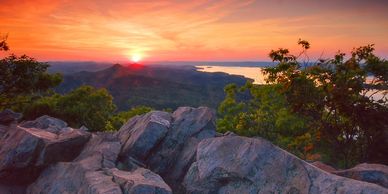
x=189, y=30
x=136, y=58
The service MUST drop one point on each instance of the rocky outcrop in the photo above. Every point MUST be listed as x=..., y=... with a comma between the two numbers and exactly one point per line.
x=84, y=174
x=24, y=152
x=143, y=133
x=47, y=123
x=140, y=181
x=234, y=164
x=93, y=171
x=160, y=153
x=166, y=143
x=373, y=173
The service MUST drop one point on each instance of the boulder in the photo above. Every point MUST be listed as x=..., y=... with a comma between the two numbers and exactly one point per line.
x=323, y=166
x=24, y=152
x=85, y=174
x=177, y=150
x=161, y=152
x=141, y=134
x=373, y=173
x=233, y=164
x=140, y=181
x=93, y=171
x=7, y=116
x=47, y=123
x=164, y=142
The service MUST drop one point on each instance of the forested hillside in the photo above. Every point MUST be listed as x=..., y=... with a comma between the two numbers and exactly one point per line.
x=159, y=87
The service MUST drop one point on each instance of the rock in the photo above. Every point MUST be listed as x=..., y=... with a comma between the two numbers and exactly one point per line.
x=141, y=134
x=3, y=130
x=7, y=116
x=164, y=142
x=15, y=189
x=84, y=174
x=181, y=150
x=140, y=181
x=373, y=173
x=229, y=133
x=189, y=125
x=47, y=123
x=323, y=166
x=233, y=164
x=93, y=171
x=24, y=152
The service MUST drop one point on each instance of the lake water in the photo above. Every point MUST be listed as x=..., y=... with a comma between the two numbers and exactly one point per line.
x=256, y=74
x=248, y=72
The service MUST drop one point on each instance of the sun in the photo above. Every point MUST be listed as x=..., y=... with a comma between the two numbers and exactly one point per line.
x=136, y=57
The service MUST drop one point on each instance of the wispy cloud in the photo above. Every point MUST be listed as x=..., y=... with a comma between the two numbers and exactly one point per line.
x=187, y=30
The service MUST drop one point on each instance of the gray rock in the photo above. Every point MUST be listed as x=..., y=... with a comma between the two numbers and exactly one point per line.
x=24, y=152
x=233, y=164
x=141, y=134
x=229, y=133
x=93, y=171
x=47, y=123
x=188, y=123
x=7, y=116
x=164, y=142
x=85, y=174
x=140, y=181
x=373, y=173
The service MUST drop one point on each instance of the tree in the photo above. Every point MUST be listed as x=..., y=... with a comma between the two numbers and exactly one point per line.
x=264, y=113
x=339, y=100
x=119, y=119
x=22, y=79
x=3, y=44
x=84, y=106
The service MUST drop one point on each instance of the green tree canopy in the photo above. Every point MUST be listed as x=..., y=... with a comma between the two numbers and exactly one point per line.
x=264, y=113
x=23, y=78
x=119, y=119
x=85, y=106
x=339, y=97
x=328, y=109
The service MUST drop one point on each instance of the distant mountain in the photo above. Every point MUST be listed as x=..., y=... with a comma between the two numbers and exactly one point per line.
x=69, y=67
x=217, y=63
x=156, y=86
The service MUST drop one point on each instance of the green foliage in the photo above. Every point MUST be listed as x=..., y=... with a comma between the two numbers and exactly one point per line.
x=119, y=119
x=83, y=106
x=326, y=109
x=265, y=113
x=337, y=98
x=22, y=79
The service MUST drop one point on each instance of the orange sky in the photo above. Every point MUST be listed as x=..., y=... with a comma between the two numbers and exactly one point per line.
x=103, y=30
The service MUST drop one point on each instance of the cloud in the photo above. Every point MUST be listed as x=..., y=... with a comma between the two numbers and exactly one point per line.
x=91, y=30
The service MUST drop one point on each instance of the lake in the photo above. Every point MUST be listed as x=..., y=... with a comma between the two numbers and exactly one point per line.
x=248, y=72
x=258, y=77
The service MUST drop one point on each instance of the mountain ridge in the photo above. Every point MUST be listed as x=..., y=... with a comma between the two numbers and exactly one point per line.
x=155, y=86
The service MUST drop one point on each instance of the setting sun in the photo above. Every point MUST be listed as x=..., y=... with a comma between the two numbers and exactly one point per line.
x=136, y=58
